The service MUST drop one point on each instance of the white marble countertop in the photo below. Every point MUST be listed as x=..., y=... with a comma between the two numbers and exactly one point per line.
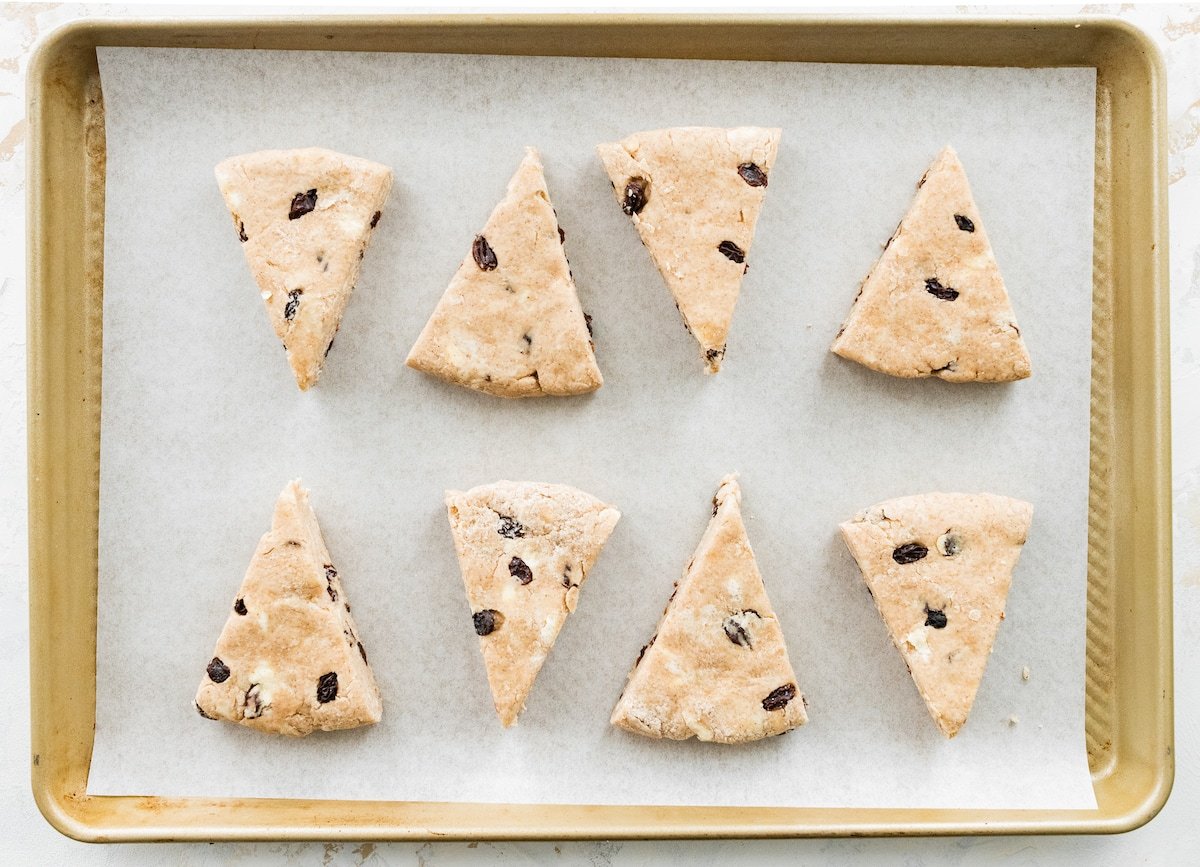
x=1168, y=839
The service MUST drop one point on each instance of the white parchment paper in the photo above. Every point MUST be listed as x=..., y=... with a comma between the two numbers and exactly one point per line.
x=202, y=425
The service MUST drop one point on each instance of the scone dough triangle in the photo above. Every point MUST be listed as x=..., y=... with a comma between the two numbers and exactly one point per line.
x=939, y=567
x=289, y=659
x=694, y=194
x=717, y=667
x=525, y=549
x=935, y=304
x=304, y=218
x=510, y=322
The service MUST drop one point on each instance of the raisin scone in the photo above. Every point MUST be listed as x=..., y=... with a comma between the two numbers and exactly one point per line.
x=717, y=667
x=525, y=549
x=694, y=194
x=510, y=322
x=289, y=659
x=939, y=567
x=935, y=304
x=304, y=218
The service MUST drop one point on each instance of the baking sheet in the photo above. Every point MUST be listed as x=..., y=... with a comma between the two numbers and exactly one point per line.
x=202, y=425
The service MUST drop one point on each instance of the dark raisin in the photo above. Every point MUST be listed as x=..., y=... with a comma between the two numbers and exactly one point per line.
x=375, y=218
x=485, y=256
x=330, y=574
x=509, y=528
x=737, y=633
x=964, y=223
x=362, y=651
x=752, y=175
x=242, y=236
x=909, y=552
x=732, y=251
x=200, y=711
x=935, y=618
x=714, y=354
x=520, y=570
x=218, y=672
x=254, y=706
x=487, y=621
x=528, y=341
x=240, y=606
x=635, y=196
x=779, y=698
x=293, y=304
x=642, y=652
x=935, y=288
x=587, y=320
x=327, y=687
x=302, y=203
x=562, y=236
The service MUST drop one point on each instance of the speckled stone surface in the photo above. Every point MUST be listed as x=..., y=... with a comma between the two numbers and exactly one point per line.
x=1172, y=838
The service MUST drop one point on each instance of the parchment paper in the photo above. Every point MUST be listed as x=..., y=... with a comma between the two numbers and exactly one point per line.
x=203, y=425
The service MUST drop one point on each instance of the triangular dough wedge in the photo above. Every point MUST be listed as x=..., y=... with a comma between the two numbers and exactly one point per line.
x=510, y=322
x=304, y=218
x=289, y=660
x=525, y=549
x=935, y=303
x=717, y=667
x=694, y=194
x=939, y=567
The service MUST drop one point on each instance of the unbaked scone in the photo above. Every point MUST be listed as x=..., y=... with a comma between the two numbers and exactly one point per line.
x=939, y=567
x=289, y=659
x=510, y=322
x=935, y=303
x=717, y=667
x=694, y=194
x=304, y=218
x=525, y=549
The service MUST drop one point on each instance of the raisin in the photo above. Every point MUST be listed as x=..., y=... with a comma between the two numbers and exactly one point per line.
x=200, y=711
x=254, y=706
x=935, y=288
x=909, y=552
x=562, y=236
x=779, y=698
x=240, y=606
x=509, y=528
x=362, y=651
x=520, y=570
x=330, y=574
x=487, y=621
x=242, y=236
x=964, y=223
x=714, y=354
x=485, y=256
x=293, y=304
x=375, y=218
x=302, y=203
x=935, y=618
x=587, y=320
x=732, y=251
x=218, y=672
x=752, y=175
x=642, y=652
x=737, y=633
x=327, y=687
x=635, y=196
